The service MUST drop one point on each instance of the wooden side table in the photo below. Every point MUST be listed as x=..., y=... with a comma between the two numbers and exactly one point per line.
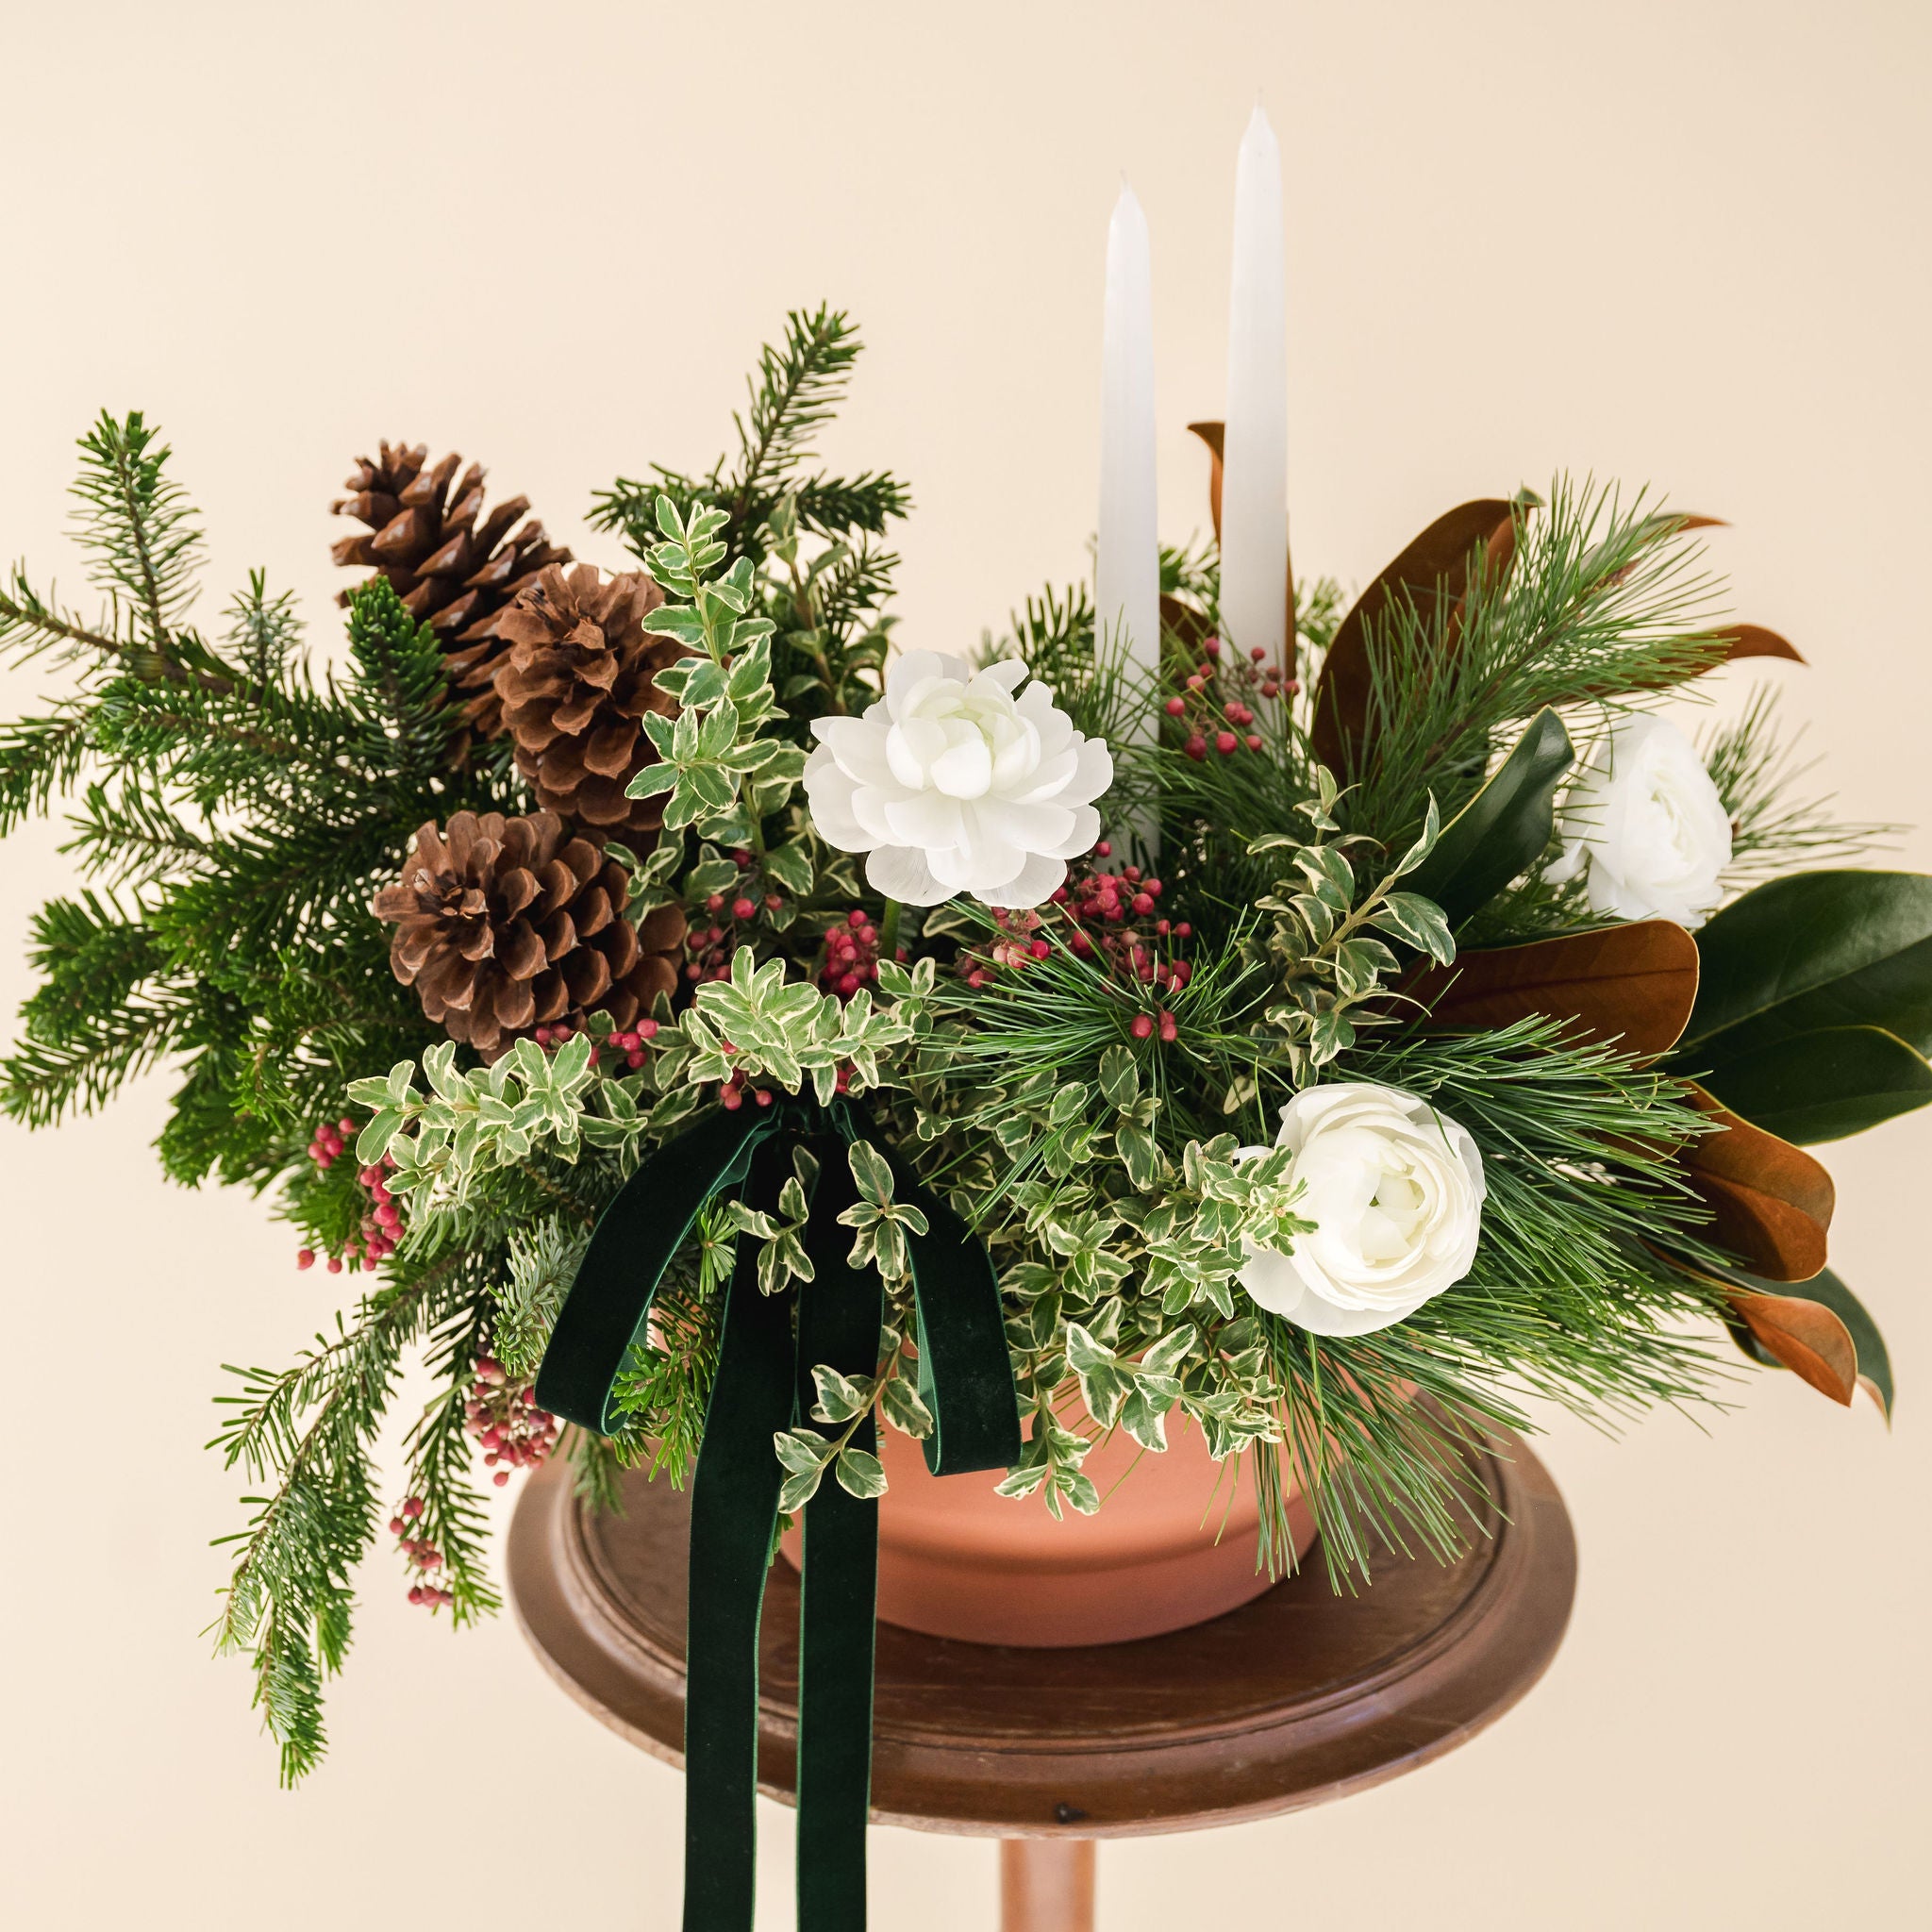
x=1300, y=1696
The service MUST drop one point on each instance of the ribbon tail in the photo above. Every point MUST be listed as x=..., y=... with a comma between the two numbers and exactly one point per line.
x=634, y=1242
x=733, y=1512
x=839, y=1316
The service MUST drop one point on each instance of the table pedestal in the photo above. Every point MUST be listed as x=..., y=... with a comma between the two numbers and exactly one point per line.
x=1301, y=1696
x=1046, y=1885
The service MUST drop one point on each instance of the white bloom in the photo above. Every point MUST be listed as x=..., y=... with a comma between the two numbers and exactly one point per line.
x=1646, y=819
x=1395, y=1190
x=954, y=785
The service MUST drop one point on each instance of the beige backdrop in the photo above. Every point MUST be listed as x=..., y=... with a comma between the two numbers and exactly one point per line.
x=1675, y=242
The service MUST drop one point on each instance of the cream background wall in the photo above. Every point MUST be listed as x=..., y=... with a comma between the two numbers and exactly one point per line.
x=1679, y=243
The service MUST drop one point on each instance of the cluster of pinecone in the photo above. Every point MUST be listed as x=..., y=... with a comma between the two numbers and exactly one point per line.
x=503, y=925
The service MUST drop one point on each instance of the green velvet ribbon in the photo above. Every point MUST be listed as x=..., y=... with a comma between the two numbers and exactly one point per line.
x=767, y=1349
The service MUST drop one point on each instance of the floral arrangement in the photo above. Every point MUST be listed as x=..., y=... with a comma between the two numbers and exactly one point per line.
x=1324, y=1047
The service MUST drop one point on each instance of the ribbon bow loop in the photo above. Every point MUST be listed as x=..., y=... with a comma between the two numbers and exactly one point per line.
x=762, y=1386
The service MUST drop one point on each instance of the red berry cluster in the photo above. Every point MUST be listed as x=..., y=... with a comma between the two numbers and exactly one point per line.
x=1113, y=917
x=1020, y=946
x=502, y=1416
x=709, y=948
x=382, y=1226
x=424, y=1558
x=851, y=954
x=1210, y=699
x=631, y=1043
x=1107, y=917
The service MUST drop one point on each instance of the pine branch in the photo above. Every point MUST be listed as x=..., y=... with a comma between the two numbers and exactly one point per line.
x=1755, y=769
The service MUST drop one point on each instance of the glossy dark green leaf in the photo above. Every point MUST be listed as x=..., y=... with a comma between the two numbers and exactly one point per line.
x=1874, y=1360
x=1822, y=1086
x=1816, y=950
x=1503, y=829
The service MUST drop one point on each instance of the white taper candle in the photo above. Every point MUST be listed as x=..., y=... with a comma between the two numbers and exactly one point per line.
x=1127, y=573
x=1253, y=487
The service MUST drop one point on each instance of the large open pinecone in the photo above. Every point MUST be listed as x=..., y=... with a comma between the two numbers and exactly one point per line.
x=454, y=567
x=505, y=924
x=580, y=676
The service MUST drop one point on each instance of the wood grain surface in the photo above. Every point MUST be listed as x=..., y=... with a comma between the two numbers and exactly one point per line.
x=1297, y=1697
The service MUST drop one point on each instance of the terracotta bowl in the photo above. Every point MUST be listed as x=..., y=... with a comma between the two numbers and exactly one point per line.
x=1173, y=1544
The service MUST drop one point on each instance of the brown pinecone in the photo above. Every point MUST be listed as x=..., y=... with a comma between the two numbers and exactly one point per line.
x=454, y=567
x=580, y=676
x=506, y=925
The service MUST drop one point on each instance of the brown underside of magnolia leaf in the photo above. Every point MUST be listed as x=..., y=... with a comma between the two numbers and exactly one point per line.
x=1436, y=563
x=1214, y=436
x=1806, y=1336
x=1754, y=641
x=1631, y=985
x=1772, y=1202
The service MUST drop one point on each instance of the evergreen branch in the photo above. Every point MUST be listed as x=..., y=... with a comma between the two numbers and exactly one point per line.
x=40, y=758
x=453, y=1517
x=133, y=837
x=138, y=524
x=99, y=1017
x=31, y=625
x=1755, y=769
x=798, y=387
x=287, y=1603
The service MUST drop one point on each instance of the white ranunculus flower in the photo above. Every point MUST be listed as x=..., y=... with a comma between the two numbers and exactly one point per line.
x=1646, y=818
x=953, y=784
x=1395, y=1190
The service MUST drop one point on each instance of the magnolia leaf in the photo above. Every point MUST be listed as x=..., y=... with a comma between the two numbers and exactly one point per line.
x=1751, y=640
x=1633, y=985
x=1873, y=1359
x=1771, y=1203
x=1818, y=949
x=1821, y=1086
x=1432, y=574
x=1806, y=1337
x=1215, y=436
x=1505, y=829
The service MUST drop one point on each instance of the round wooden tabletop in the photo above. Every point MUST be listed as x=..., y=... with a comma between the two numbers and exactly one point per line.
x=1300, y=1696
